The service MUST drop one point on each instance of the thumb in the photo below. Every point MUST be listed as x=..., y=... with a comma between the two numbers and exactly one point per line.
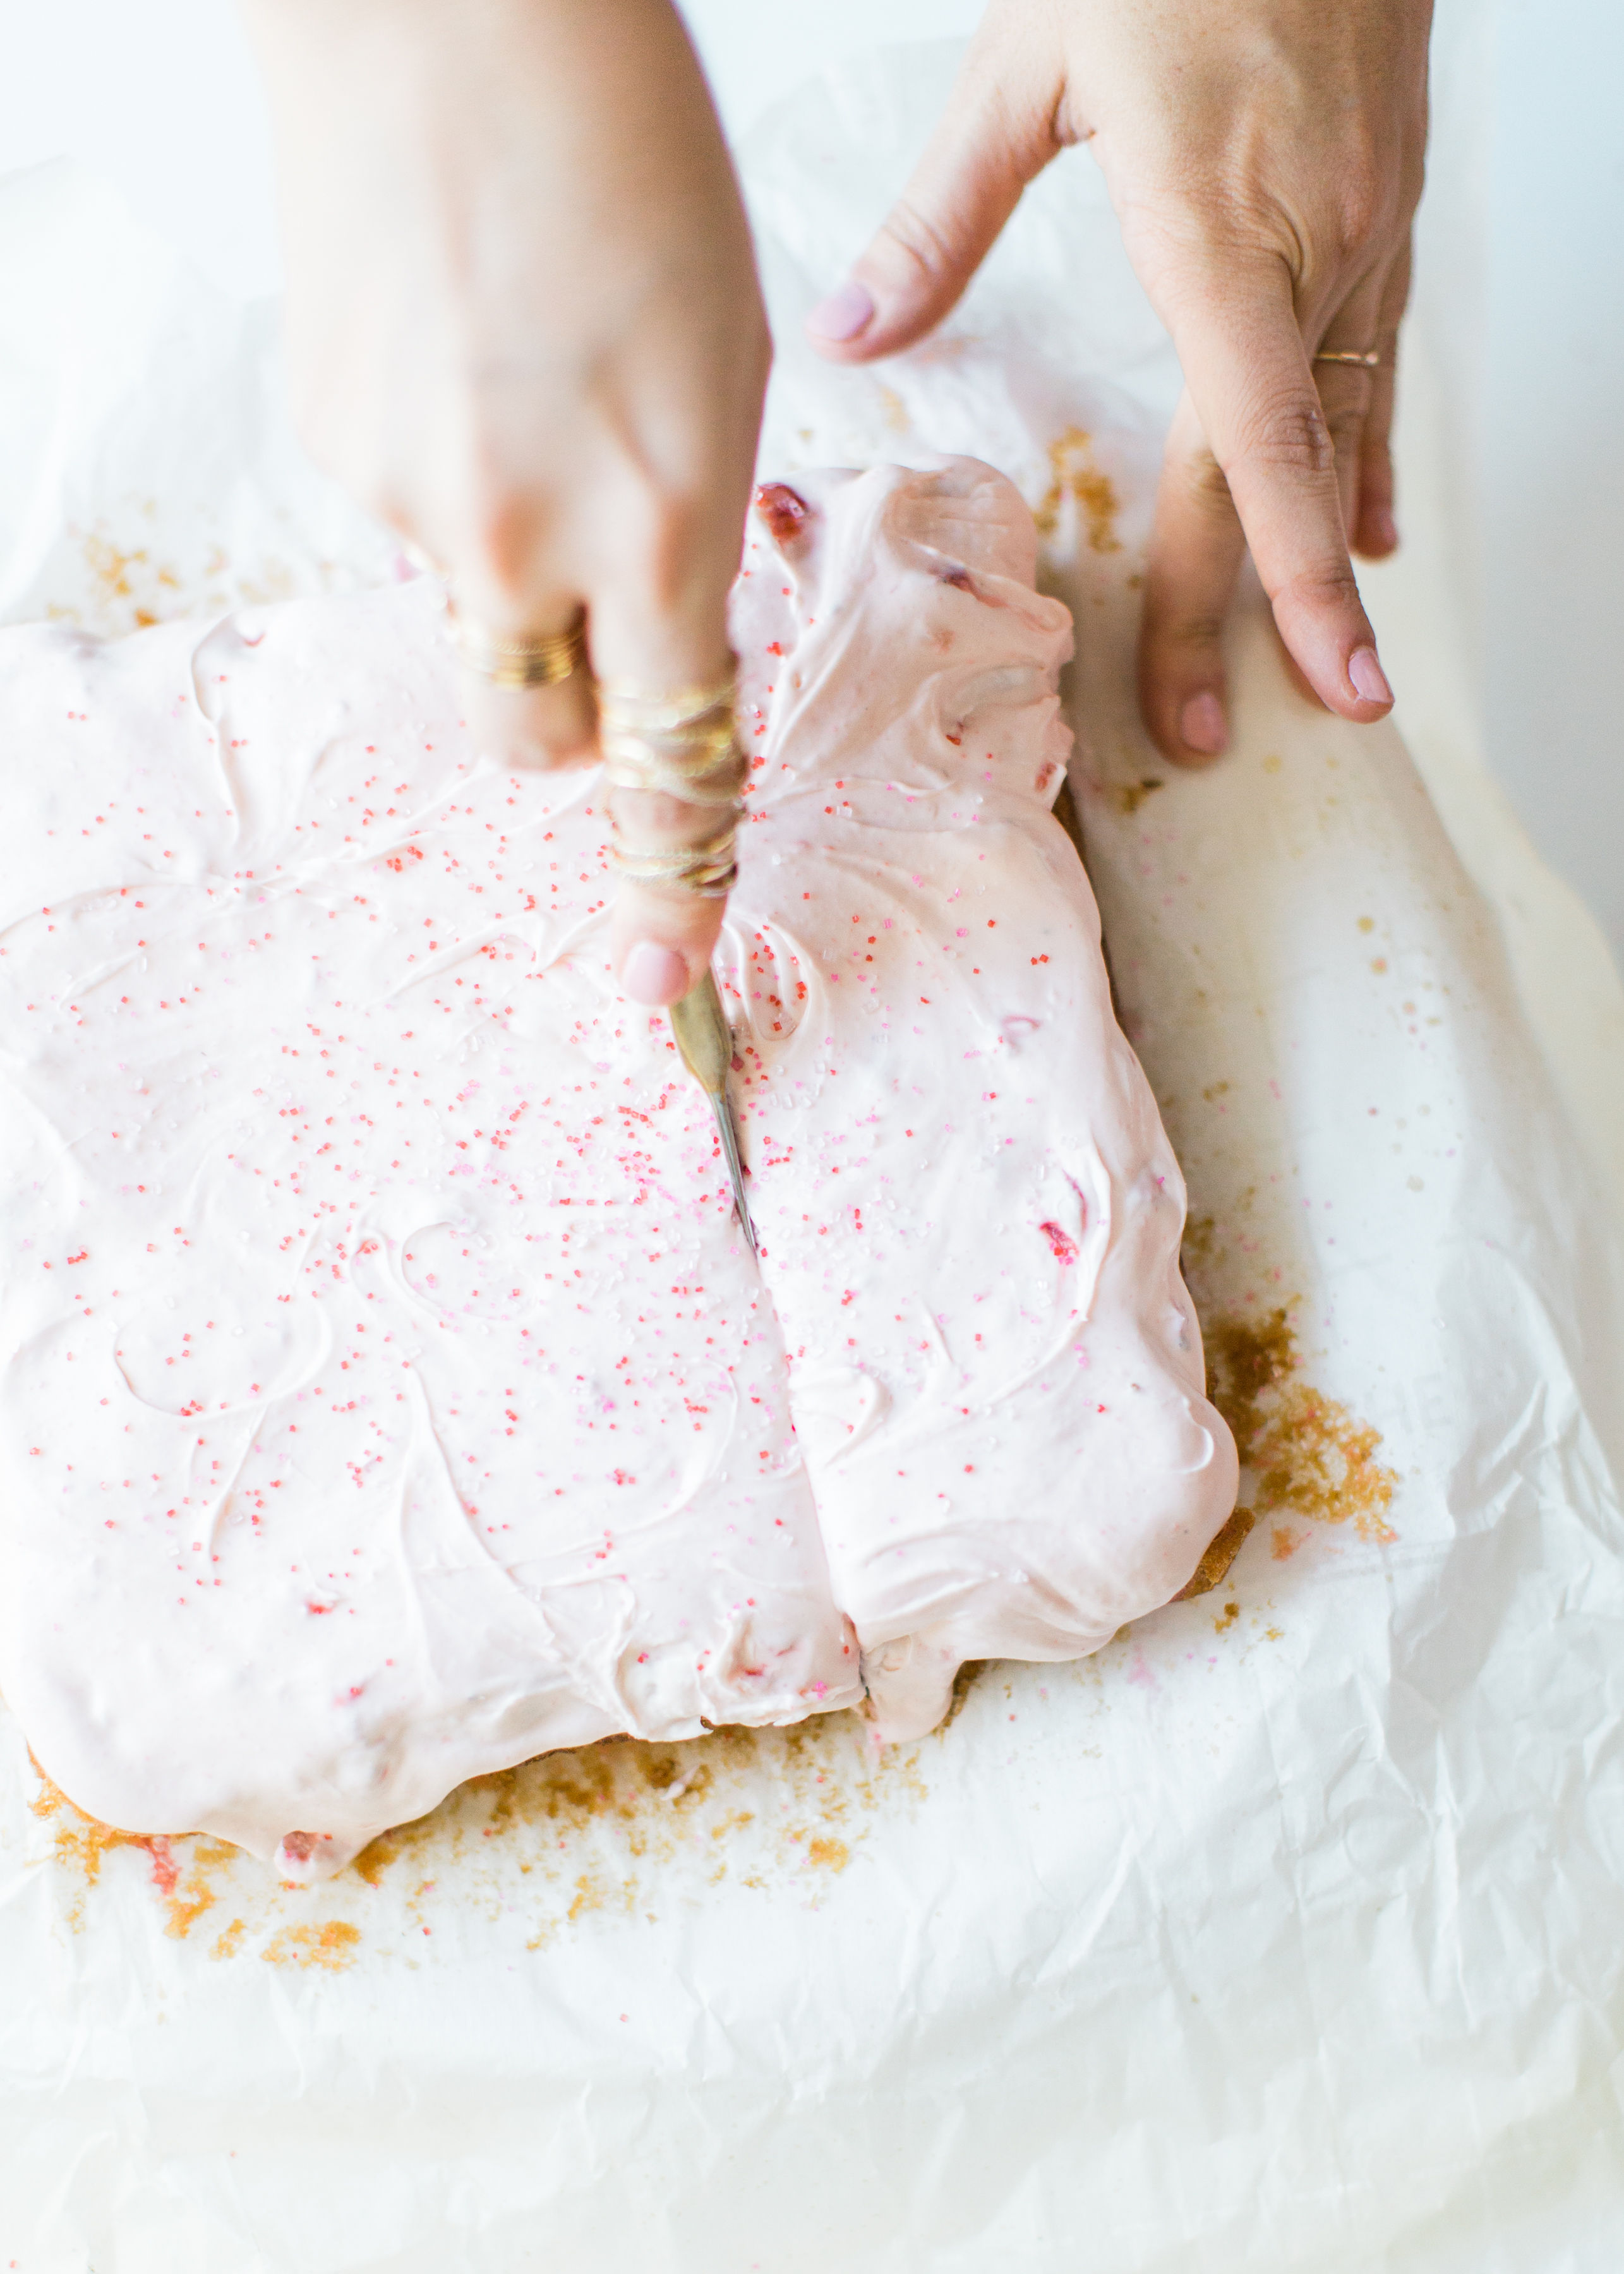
x=996, y=134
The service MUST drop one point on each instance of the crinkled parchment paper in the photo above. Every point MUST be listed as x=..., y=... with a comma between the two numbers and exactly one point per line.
x=1284, y=1933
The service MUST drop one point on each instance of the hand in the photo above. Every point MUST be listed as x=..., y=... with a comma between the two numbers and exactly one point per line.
x=1265, y=160
x=523, y=327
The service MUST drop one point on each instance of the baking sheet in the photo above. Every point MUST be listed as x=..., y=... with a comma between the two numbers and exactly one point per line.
x=1283, y=1933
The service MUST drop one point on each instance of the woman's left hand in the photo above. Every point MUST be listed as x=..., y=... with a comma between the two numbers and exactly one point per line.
x=1265, y=159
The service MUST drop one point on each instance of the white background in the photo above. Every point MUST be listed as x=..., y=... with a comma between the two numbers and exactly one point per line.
x=162, y=99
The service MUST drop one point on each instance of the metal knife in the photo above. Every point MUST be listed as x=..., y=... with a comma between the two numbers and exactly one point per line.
x=699, y=1024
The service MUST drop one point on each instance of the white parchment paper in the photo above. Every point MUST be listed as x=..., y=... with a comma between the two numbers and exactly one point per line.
x=1282, y=1934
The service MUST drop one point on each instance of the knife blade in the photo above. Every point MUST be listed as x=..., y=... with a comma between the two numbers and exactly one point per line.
x=699, y=1029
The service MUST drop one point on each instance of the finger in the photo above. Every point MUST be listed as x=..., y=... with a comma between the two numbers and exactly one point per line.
x=996, y=134
x=661, y=937
x=1196, y=549
x=1247, y=370
x=538, y=727
x=1347, y=390
x=1374, y=526
x=1197, y=546
x=1344, y=398
x=541, y=726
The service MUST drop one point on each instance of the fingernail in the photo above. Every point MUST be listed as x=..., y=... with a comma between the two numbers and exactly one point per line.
x=1367, y=676
x=652, y=974
x=849, y=310
x=1201, y=726
x=1386, y=531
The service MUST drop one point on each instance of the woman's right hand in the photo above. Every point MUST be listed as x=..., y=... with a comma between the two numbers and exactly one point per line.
x=523, y=327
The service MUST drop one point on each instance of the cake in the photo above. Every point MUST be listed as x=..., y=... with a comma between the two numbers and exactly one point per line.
x=389, y=1394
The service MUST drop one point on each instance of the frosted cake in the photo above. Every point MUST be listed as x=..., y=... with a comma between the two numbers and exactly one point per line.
x=388, y=1393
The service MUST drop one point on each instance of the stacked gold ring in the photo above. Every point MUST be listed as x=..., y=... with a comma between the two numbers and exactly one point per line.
x=532, y=659
x=708, y=870
x=683, y=745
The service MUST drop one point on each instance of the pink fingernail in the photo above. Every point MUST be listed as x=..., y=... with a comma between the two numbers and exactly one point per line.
x=1366, y=677
x=1201, y=726
x=652, y=974
x=849, y=310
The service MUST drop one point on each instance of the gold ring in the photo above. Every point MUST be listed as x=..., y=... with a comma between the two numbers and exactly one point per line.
x=707, y=869
x=670, y=714
x=682, y=744
x=533, y=659
x=1362, y=359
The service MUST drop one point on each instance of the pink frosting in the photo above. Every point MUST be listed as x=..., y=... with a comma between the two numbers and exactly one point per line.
x=389, y=1395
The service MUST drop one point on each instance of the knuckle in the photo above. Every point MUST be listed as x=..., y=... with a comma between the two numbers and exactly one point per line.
x=1289, y=435
x=496, y=531
x=508, y=537
x=1359, y=214
x=668, y=546
x=1185, y=632
x=924, y=251
x=1326, y=587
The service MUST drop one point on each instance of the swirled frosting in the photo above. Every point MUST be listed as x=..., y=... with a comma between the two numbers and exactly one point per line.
x=388, y=1394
